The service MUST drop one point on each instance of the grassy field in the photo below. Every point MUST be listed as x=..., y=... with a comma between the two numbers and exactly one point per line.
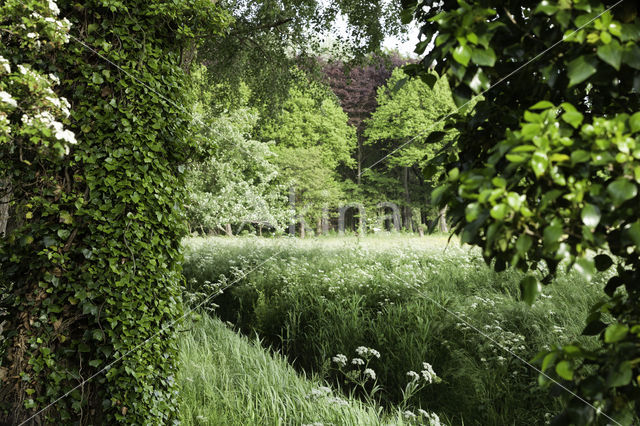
x=414, y=300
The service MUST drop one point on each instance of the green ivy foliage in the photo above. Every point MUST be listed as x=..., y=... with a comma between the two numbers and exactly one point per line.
x=546, y=171
x=90, y=260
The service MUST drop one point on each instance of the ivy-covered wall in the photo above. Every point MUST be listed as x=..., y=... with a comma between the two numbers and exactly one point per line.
x=89, y=264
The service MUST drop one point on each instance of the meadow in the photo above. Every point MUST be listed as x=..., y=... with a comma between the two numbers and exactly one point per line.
x=394, y=326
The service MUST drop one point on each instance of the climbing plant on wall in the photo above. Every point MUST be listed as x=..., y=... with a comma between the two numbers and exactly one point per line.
x=92, y=156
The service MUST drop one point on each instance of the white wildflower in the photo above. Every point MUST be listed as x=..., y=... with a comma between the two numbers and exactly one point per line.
x=4, y=66
x=54, y=101
x=340, y=359
x=357, y=361
x=53, y=7
x=32, y=35
x=54, y=78
x=409, y=414
x=370, y=373
x=23, y=70
x=320, y=392
x=428, y=373
x=337, y=401
x=365, y=352
x=413, y=375
x=7, y=99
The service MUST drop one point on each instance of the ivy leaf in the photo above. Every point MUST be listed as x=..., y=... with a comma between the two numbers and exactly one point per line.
x=579, y=70
x=621, y=190
x=462, y=54
x=611, y=54
x=590, y=215
x=529, y=289
x=615, y=332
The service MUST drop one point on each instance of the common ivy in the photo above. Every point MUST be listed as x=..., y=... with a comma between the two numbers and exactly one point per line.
x=92, y=158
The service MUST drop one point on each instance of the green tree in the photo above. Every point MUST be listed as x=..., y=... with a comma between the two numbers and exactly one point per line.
x=312, y=138
x=546, y=171
x=237, y=183
x=90, y=259
x=267, y=38
x=409, y=109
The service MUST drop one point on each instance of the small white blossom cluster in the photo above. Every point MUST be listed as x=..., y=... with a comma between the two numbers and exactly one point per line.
x=320, y=392
x=340, y=359
x=413, y=375
x=432, y=418
x=369, y=374
x=357, y=361
x=427, y=372
x=5, y=67
x=8, y=99
x=46, y=119
x=53, y=7
x=365, y=352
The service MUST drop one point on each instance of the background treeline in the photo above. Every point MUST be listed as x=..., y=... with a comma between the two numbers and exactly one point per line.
x=292, y=164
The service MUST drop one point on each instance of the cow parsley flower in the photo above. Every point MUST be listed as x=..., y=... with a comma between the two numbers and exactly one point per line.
x=370, y=373
x=413, y=375
x=340, y=359
x=409, y=414
x=357, y=361
x=428, y=373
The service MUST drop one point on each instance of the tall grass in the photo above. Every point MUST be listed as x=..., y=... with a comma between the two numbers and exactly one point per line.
x=227, y=379
x=317, y=298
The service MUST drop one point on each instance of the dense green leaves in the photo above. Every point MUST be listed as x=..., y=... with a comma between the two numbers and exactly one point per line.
x=90, y=261
x=563, y=134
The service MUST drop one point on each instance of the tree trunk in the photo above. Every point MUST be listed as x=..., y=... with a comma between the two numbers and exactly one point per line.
x=359, y=177
x=5, y=190
x=260, y=230
x=443, y=220
x=228, y=230
x=407, y=219
x=319, y=226
x=302, y=231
